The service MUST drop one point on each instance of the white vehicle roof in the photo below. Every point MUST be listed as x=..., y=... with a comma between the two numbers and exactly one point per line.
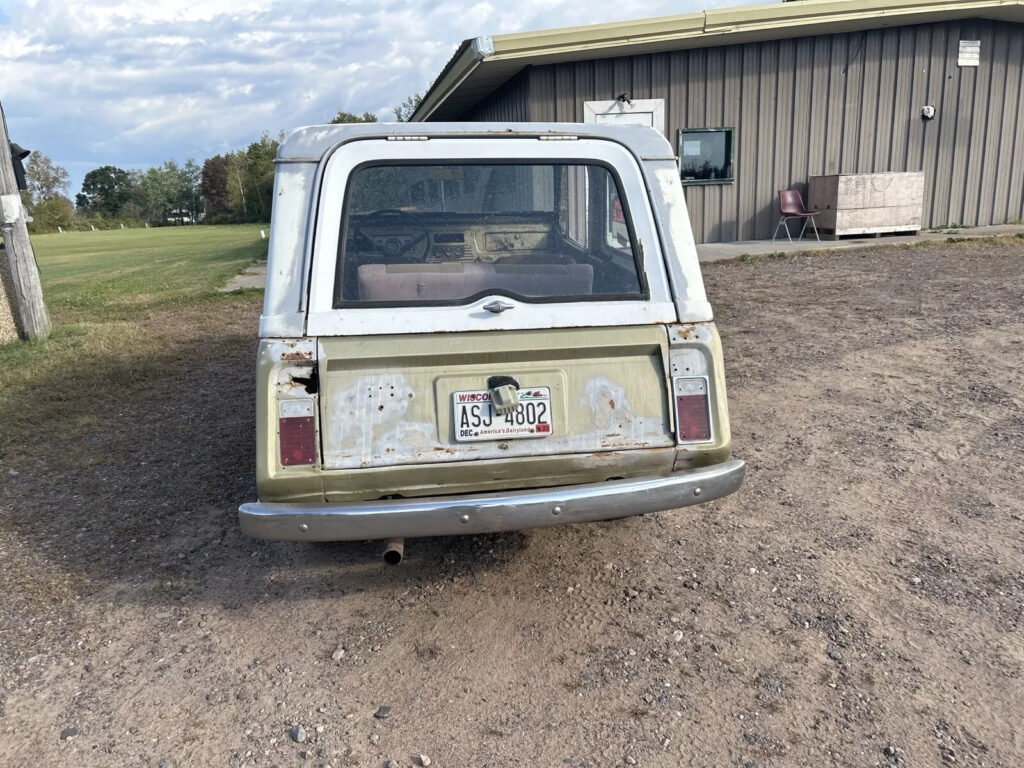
x=311, y=143
x=303, y=153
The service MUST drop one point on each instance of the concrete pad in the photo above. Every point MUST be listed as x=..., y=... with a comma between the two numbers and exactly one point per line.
x=254, y=276
x=709, y=252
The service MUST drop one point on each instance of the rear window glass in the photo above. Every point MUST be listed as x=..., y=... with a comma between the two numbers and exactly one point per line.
x=450, y=234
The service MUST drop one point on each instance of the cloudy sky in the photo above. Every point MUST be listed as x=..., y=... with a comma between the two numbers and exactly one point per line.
x=132, y=84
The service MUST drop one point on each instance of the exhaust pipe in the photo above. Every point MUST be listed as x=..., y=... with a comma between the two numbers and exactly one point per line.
x=394, y=551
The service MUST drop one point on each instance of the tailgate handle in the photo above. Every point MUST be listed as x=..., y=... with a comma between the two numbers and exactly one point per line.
x=497, y=307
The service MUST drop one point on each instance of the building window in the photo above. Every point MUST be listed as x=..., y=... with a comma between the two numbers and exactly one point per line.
x=705, y=155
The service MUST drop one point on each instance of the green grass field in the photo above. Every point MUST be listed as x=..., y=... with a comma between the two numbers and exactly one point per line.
x=96, y=276
x=115, y=300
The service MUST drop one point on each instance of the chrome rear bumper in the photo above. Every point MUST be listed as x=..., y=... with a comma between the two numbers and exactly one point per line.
x=490, y=512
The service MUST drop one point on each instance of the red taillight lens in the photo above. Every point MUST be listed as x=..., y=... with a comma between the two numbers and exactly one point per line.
x=693, y=421
x=296, y=431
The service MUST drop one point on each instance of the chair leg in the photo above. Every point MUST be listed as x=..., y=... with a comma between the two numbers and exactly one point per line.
x=776, y=232
x=803, y=229
x=815, y=229
x=784, y=221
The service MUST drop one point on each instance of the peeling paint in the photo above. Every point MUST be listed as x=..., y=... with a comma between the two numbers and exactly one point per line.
x=599, y=395
x=368, y=423
x=689, y=353
x=692, y=332
x=371, y=420
x=688, y=362
x=615, y=422
x=292, y=350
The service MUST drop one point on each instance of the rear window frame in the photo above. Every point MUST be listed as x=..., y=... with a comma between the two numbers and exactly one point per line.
x=335, y=165
x=636, y=245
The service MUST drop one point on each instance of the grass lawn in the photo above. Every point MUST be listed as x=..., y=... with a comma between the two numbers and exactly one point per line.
x=91, y=276
x=116, y=300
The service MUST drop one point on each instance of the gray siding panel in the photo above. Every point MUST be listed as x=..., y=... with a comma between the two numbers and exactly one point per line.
x=801, y=108
x=931, y=131
x=869, y=62
x=765, y=143
x=963, y=138
x=989, y=162
x=818, y=100
x=889, y=91
x=731, y=101
x=977, y=138
x=542, y=93
x=852, y=70
x=944, y=47
x=1015, y=210
x=584, y=87
x=659, y=71
x=622, y=76
x=715, y=74
x=846, y=103
x=603, y=75
x=744, y=114
x=786, y=122
x=510, y=103
x=918, y=98
x=835, y=107
x=641, y=86
x=565, y=94
x=903, y=103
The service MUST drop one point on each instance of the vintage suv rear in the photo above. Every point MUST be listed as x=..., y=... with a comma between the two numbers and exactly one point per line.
x=475, y=327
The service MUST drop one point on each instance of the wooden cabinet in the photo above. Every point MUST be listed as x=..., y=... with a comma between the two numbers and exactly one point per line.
x=867, y=203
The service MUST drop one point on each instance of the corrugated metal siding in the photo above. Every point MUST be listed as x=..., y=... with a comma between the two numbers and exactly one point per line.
x=1011, y=148
x=846, y=103
x=508, y=104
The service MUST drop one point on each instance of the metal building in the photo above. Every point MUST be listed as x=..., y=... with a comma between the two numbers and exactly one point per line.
x=782, y=92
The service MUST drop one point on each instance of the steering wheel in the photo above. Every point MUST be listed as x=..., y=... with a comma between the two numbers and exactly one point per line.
x=394, y=248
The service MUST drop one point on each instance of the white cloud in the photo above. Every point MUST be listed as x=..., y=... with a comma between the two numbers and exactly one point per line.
x=133, y=84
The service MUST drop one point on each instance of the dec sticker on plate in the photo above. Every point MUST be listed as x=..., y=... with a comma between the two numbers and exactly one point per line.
x=475, y=418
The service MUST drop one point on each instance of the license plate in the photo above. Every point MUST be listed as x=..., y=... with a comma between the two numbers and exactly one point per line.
x=476, y=419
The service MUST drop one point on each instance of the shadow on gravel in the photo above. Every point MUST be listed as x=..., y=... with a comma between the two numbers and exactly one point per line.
x=133, y=476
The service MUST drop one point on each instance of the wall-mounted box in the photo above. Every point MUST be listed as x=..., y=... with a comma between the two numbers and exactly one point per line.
x=969, y=53
x=867, y=203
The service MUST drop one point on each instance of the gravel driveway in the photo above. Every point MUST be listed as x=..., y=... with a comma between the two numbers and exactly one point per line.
x=859, y=603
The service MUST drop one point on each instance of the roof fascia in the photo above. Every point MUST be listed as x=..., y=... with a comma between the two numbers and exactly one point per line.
x=466, y=59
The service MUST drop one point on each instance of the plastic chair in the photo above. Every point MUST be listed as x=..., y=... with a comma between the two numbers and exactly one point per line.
x=791, y=205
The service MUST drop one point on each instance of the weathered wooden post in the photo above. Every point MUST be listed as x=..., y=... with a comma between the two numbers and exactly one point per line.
x=17, y=262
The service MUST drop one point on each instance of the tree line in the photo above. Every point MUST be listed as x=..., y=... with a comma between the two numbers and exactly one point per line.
x=236, y=187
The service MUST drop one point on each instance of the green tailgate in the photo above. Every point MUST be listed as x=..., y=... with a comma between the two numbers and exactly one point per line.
x=388, y=401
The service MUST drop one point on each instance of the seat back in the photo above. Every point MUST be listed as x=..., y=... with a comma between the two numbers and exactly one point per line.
x=791, y=204
x=412, y=282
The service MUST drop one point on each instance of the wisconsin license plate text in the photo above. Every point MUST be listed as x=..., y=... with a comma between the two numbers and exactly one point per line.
x=476, y=419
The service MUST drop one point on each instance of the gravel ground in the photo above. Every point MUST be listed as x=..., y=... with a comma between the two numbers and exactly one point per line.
x=859, y=603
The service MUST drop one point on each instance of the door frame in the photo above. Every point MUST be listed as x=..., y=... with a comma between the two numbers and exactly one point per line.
x=592, y=110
